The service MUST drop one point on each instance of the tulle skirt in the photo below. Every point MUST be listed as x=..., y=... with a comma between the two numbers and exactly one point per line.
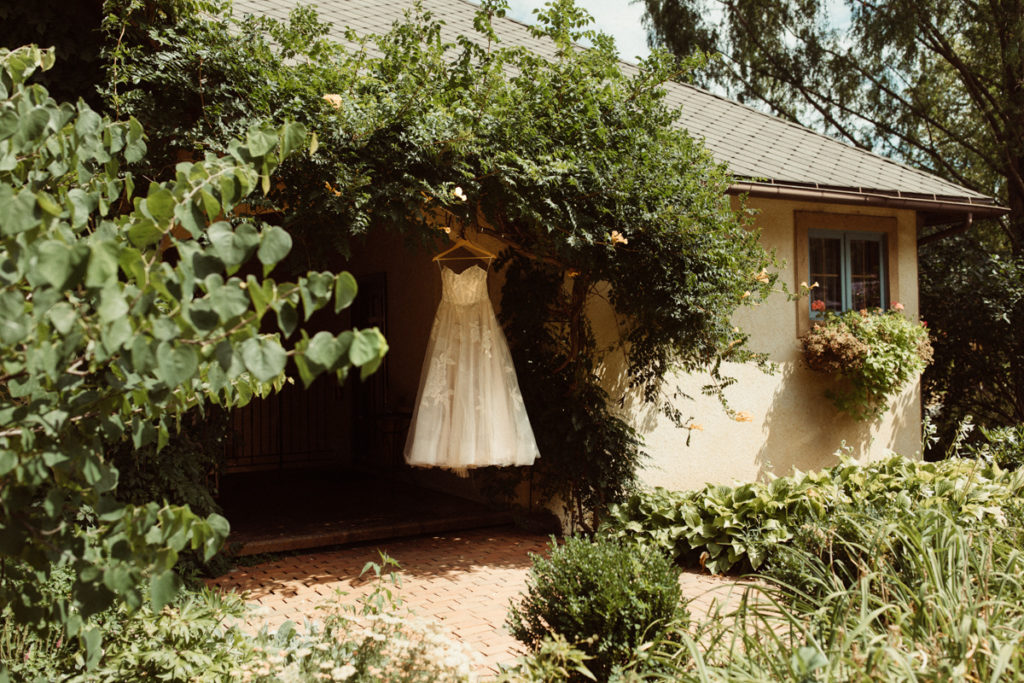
x=469, y=410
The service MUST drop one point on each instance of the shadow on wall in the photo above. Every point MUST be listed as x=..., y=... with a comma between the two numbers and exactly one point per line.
x=804, y=431
x=628, y=403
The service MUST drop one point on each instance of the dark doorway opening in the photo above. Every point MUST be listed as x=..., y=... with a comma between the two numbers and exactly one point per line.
x=319, y=466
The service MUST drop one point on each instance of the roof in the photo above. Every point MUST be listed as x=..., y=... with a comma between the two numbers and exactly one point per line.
x=767, y=155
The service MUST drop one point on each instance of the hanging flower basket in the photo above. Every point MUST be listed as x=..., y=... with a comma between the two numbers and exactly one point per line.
x=874, y=354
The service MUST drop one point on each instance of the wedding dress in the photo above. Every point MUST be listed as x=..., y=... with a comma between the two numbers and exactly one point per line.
x=469, y=410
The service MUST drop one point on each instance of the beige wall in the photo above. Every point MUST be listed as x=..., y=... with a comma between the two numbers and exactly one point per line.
x=793, y=425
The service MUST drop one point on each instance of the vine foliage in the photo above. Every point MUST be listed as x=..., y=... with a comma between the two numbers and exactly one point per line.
x=573, y=161
x=120, y=309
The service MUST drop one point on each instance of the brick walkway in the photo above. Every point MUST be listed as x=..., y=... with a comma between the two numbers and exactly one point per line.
x=464, y=580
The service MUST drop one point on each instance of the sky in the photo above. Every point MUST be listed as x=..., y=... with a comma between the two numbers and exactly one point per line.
x=618, y=18
x=621, y=19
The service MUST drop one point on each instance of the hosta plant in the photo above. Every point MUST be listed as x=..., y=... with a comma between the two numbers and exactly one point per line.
x=723, y=528
x=873, y=353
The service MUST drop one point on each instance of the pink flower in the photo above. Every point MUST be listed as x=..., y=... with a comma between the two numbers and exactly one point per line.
x=896, y=306
x=818, y=305
x=863, y=312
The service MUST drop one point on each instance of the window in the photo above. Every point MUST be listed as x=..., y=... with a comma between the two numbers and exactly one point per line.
x=849, y=268
x=851, y=256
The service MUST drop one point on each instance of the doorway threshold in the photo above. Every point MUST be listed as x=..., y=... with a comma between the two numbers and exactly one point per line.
x=281, y=511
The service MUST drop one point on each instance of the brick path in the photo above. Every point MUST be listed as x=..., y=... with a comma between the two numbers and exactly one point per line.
x=464, y=580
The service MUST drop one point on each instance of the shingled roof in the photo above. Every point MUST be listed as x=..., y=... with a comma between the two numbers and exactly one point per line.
x=767, y=155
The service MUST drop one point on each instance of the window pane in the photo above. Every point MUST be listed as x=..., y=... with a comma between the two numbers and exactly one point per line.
x=865, y=273
x=826, y=257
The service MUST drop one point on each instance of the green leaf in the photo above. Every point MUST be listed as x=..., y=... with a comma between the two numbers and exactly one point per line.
x=259, y=293
x=367, y=346
x=260, y=141
x=287, y=318
x=275, y=243
x=210, y=205
x=47, y=204
x=143, y=360
x=263, y=357
x=176, y=364
x=227, y=359
x=116, y=334
x=93, y=640
x=292, y=135
x=162, y=589
x=8, y=123
x=144, y=233
x=323, y=350
x=233, y=247
x=202, y=316
x=55, y=263
x=229, y=301
x=8, y=461
x=160, y=204
x=82, y=205
x=12, y=318
x=345, y=289
x=31, y=126
x=103, y=266
x=17, y=211
x=113, y=303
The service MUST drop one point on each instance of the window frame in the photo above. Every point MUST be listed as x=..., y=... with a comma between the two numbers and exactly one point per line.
x=845, y=264
x=821, y=223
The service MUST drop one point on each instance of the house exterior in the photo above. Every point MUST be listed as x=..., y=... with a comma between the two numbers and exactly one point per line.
x=844, y=217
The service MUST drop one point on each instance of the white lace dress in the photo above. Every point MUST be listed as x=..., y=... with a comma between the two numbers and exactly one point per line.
x=469, y=410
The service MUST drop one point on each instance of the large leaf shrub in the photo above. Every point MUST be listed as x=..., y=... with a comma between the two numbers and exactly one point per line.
x=723, y=528
x=603, y=596
x=573, y=162
x=121, y=307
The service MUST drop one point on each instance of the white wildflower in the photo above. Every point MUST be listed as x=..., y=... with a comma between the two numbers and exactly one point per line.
x=343, y=673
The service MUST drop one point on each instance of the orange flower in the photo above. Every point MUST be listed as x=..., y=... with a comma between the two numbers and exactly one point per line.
x=695, y=427
x=333, y=100
x=743, y=416
x=617, y=238
x=572, y=272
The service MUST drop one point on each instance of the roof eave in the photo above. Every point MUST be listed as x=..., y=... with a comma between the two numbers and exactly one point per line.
x=936, y=205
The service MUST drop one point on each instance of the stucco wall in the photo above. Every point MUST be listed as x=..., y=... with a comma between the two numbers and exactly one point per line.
x=793, y=425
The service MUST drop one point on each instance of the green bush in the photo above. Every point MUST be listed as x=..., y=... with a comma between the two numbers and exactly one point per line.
x=723, y=528
x=874, y=353
x=604, y=596
x=182, y=473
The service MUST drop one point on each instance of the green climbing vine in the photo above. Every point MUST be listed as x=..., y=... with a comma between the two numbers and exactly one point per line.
x=573, y=162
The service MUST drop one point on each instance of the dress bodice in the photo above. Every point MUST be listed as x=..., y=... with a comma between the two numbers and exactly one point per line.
x=467, y=287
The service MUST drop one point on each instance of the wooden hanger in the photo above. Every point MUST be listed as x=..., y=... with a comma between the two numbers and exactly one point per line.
x=479, y=252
